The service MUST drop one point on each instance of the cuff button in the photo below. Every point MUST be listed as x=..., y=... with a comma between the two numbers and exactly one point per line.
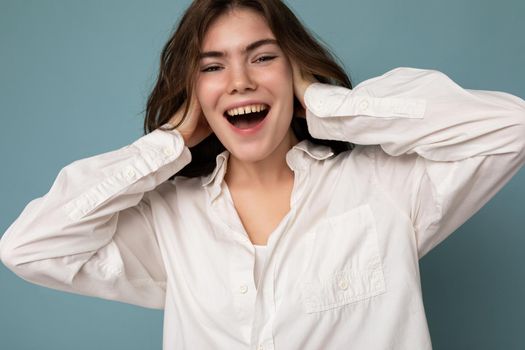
x=168, y=151
x=363, y=105
x=130, y=173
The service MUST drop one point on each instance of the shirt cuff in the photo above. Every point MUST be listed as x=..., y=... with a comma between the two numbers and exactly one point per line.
x=326, y=100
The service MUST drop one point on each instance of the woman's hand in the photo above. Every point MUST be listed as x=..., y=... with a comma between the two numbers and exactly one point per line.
x=301, y=81
x=194, y=128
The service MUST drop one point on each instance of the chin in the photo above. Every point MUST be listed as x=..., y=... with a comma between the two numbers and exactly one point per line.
x=249, y=153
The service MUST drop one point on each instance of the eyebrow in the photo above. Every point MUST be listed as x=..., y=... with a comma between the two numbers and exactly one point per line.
x=248, y=48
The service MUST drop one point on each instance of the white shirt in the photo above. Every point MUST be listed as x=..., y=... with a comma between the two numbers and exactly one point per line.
x=260, y=259
x=341, y=270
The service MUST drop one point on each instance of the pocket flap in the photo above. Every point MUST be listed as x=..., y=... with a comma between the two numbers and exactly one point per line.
x=345, y=265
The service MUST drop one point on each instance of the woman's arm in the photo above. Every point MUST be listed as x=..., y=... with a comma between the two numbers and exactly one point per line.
x=443, y=151
x=92, y=233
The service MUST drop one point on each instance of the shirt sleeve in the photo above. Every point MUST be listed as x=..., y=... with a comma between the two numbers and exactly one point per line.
x=92, y=233
x=440, y=151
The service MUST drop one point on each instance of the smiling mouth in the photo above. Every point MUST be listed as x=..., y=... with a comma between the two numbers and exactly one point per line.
x=247, y=120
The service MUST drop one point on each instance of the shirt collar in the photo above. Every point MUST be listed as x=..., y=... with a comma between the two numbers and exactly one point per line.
x=313, y=150
x=294, y=159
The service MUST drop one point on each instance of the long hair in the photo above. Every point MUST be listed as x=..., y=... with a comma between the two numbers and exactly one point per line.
x=179, y=67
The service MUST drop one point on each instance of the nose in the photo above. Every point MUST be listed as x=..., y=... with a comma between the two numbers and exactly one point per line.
x=240, y=80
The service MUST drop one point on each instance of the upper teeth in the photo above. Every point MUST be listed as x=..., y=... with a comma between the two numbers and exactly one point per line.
x=246, y=109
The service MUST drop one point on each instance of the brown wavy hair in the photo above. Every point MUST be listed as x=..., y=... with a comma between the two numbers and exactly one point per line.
x=179, y=67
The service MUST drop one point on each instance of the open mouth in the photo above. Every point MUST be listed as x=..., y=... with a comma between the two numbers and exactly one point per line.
x=247, y=119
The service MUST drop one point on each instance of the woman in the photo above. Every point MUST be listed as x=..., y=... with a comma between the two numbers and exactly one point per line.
x=267, y=238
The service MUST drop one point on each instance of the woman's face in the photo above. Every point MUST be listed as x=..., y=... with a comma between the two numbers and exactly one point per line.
x=243, y=69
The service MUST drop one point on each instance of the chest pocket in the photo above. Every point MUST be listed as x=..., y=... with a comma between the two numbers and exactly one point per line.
x=344, y=266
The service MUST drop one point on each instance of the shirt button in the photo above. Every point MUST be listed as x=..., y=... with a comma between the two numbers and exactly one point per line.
x=168, y=151
x=363, y=105
x=343, y=284
x=243, y=289
x=130, y=173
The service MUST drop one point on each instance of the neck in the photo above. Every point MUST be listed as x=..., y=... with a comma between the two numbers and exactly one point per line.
x=270, y=171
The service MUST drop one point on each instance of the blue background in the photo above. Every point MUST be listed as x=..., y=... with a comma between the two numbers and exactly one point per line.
x=74, y=79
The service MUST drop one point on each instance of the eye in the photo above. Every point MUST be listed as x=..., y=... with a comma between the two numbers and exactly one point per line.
x=211, y=69
x=265, y=58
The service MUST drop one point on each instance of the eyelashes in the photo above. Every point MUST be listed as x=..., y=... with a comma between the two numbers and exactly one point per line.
x=266, y=58
x=210, y=69
x=217, y=68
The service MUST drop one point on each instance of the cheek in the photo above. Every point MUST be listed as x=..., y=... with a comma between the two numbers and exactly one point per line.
x=208, y=92
x=286, y=92
x=279, y=81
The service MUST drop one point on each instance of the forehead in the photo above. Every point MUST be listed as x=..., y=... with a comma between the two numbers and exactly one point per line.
x=235, y=29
